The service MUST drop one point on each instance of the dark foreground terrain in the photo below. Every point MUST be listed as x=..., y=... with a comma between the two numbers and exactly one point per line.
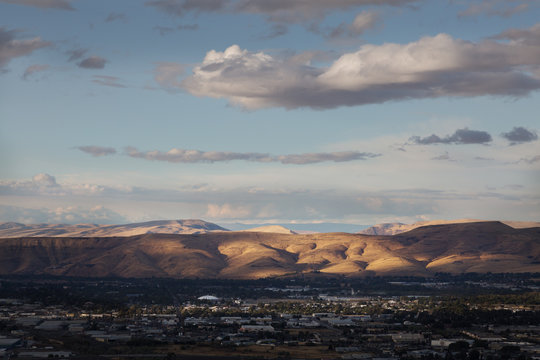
x=466, y=317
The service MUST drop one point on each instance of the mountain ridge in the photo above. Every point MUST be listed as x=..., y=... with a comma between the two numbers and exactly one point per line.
x=398, y=228
x=453, y=248
x=276, y=229
x=185, y=226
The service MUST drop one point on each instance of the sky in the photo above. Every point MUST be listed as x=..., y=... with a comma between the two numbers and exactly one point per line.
x=269, y=111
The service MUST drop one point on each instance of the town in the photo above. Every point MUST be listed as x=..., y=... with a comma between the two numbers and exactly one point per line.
x=473, y=317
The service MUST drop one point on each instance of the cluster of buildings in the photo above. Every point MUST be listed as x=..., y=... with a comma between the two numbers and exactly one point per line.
x=29, y=330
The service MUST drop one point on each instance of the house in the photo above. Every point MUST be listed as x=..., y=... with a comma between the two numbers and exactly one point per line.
x=408, y=338
x=256, y=328
x=7, y=343
x=45, y=354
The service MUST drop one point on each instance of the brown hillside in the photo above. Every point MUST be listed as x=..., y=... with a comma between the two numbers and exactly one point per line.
x=455, y=248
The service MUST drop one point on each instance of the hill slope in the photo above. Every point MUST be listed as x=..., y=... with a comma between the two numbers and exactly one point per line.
x=276, y=229
x=455, y=248
x=398, y=228
x=190, y=226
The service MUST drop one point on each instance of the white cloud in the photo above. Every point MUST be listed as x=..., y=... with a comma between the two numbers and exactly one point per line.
x=45, y=185
x=227, y=211
x=438, y=66
x=359, y=202
x=44, y=180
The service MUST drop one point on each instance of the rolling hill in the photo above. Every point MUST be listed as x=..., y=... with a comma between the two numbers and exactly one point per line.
x=454, y=248
x=190, y=226
x=276, y=229
x=398, y=228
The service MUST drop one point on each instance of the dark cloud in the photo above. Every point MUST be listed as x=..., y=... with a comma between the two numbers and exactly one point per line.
x=11, y=47
x=188, y=27
x=444, y=157
x=363, y=22
x=275, y=11
x=93, y=62
x=312, y=158
x=305, y=10
x=197, y=156
x=43, y=4
x=115, y=17
x=32, y=69
x=531, y=160
x=502, y=8
x=276, y=30
x=514, y=186
x=181, y=7
x=530, y=36
x=519, y=135
x=282, y=13
x=111, y=81
x=461, y=136
x=164, y=30
x=76, y=54
x=97, y=150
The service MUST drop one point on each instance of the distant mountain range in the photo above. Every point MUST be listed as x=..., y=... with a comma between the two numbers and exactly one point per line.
x=302, y=228
x=215, y=253
x=398, y=228
x=195, y=226
x=276, y=229
x=190, y=226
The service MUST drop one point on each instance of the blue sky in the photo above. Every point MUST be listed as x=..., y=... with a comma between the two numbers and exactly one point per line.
x=252, y=111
